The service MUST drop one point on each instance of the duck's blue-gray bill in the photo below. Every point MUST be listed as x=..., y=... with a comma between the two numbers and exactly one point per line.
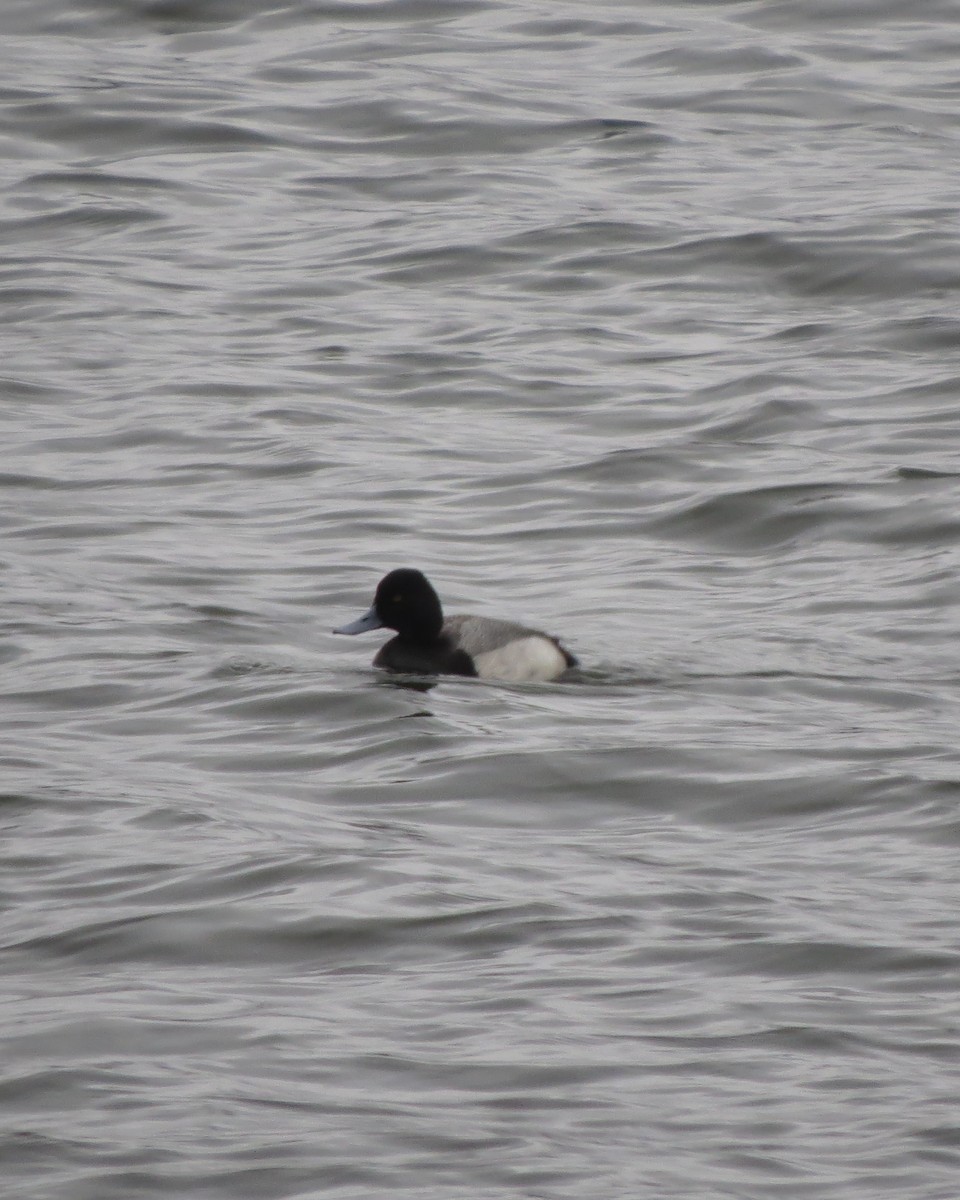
x=369, y=620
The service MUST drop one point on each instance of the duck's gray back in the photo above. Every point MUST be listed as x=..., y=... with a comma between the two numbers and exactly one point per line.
x=480, y=635
x=505, y=650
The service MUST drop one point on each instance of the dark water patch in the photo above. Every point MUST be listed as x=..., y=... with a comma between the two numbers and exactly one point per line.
x=711, y=786
x=461, y=139
x=80, y=220
x=174, y=15
x=304, y=703
x=695, y=459
x=403, y=187
x=94, y=530
x=844, y=510
x=930, y=334
x=836, y=14
x=144, y=434
x=924, y=473
x=761, y=519
x=99, y=182
x=749, y=413
x=12, y=802
x=903, y=970
x=36, y=483
x=764, y=250
x=169, y=818
x=851, y=263
x=360, y=944
x=24, y=1149
x=938, y=820
x=806, y=331
x=174, y=886
x=442, y=263
x=733, y=59
x=25, y=301
x=787, y=100
x=945, y=1137
x=10, y=652
x=611, y=235
x=402, y=13
x=62, y=123
x=584, y=27
x=94, y=695
x=240, y=668
x=32, y=391
x=618, y=127
x=100, y=1042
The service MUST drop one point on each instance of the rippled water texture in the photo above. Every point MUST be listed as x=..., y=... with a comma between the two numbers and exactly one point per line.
x=635, y=321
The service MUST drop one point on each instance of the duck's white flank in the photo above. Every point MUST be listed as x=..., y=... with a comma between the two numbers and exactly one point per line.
x=529, y=658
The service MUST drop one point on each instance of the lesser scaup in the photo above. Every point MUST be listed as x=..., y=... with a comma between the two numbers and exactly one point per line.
x=426, y=644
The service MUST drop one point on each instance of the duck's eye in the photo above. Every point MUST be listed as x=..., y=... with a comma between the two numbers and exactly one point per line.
x=398, y=598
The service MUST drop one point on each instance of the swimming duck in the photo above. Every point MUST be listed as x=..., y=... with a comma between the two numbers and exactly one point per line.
x=426, y=644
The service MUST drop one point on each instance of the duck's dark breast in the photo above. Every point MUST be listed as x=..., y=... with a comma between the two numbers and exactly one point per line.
x=438, y=658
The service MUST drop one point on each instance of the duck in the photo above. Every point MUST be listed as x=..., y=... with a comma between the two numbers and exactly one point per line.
x=428, y=644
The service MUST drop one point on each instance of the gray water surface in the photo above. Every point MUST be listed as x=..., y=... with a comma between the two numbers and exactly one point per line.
x=637, y=322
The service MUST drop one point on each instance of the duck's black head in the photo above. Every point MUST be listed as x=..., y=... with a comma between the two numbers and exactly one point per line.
x=405, y=601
